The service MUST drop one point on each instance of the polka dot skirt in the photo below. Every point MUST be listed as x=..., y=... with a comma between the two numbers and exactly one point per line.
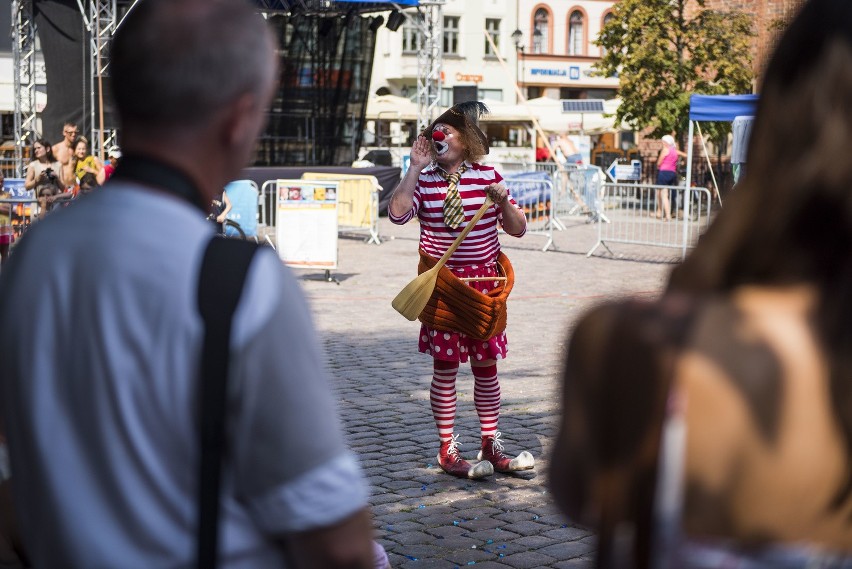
x=455, y=346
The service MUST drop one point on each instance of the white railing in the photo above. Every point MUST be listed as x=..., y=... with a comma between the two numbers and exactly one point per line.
x=535, y=196
x=631, y=216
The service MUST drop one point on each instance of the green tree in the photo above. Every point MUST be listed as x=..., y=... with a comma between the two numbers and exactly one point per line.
x=666, y=50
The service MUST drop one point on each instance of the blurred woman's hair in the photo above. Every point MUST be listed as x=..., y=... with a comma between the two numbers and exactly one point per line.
x=790, y=219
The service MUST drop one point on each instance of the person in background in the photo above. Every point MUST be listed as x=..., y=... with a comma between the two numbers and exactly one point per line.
x=567, y=151
x=44, y=170
x=64, y=149
x=82, y=162
x=114, y=154
x=44, y=175
x=542, y=153
x=712, y=428
x=6, y=238
x=220, y=209
x=88, y=183
x=667, y=176
x=5, y=209
x=101, y=336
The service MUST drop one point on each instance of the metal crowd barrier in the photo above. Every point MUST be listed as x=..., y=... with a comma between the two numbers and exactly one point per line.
x=533, y=191
x=357, y=198
x=630, y=216
x=20, y=213
x=357, y=202
x=20, y=208
x=583, y=184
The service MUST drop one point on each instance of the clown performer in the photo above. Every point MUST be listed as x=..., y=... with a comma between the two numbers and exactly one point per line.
x=465, y=318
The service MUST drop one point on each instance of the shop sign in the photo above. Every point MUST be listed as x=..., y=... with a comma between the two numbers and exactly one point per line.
x=468, y=78
x=549, y=72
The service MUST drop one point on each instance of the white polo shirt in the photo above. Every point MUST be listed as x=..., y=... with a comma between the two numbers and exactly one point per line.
x=100, y=346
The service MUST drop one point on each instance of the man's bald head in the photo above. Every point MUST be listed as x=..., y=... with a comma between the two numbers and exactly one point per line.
x=175, y=63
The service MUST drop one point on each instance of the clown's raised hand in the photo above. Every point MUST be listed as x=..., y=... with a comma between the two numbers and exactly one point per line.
x=421, y=152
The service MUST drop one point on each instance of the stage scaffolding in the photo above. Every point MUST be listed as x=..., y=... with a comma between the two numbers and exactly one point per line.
x=24, y=63
x=428, y=20
x=101, y=25
x=326, y=50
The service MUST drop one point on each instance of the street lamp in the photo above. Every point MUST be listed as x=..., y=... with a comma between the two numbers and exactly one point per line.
x=517, y=38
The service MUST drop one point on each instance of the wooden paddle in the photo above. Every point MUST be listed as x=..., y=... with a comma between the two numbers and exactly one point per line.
x=411, y=300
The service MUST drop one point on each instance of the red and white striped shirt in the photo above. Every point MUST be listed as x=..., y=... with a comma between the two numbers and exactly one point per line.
x=481, y=246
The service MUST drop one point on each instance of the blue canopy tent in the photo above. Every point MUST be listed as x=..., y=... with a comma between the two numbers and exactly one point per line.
x=715, y=108
x=721, y=107
x=711, y=108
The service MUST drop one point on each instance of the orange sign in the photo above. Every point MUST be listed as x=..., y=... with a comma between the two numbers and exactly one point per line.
x=469, y=78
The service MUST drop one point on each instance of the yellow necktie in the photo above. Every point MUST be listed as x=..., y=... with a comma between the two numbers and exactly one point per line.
x=453, y=208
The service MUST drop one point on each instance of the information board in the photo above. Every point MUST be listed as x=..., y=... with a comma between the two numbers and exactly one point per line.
x=306, y=223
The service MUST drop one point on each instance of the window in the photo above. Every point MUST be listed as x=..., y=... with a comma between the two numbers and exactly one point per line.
x=451, y=35
x=492, y=26
x=446, y=97
x=606, y=20
x=541, y=24
x=411, y=36
x=491, y=94
x=575, y=33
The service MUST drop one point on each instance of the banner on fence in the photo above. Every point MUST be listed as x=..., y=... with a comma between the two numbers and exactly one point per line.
x=306, y=227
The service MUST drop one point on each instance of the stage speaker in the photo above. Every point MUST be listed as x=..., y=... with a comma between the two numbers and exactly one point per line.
x=465, y=93
x=395, y=20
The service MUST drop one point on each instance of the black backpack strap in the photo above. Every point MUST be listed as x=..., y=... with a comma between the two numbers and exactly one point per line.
x=223, y=272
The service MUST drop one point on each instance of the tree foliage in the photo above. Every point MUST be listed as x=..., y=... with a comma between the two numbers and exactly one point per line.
x=663, y=51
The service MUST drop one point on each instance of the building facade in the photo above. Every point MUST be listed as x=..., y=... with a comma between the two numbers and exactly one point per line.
x=546, y=48
x=556, y=48
x=770, y=17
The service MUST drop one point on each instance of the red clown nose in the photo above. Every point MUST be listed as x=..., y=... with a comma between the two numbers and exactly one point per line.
x=438, y=135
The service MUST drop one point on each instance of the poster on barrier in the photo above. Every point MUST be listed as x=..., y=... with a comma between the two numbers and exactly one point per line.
x=306, y=226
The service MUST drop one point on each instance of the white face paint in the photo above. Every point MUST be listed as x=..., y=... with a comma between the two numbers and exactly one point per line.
x=442, y=146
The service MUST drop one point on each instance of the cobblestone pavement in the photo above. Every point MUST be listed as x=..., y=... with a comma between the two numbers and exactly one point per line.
x=423, y=517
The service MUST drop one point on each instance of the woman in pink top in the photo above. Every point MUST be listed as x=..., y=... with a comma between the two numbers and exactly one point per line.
x=666, y=176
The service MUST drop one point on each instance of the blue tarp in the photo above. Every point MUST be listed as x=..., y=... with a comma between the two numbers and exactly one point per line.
x=243, y=196
x=721, y=107
x=529, y=188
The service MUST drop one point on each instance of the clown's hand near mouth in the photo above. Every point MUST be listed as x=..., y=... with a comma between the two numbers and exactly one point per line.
x=402, y=199
x=421, y=153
